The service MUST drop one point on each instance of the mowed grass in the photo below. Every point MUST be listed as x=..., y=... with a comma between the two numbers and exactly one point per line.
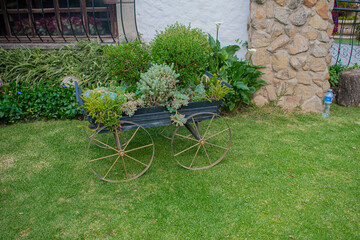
x=287, y=176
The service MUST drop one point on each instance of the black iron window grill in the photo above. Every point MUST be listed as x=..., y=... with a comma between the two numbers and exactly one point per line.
x=61, y=21
x=346, y=33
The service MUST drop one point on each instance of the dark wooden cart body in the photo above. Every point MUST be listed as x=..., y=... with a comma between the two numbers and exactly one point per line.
x=158, y=116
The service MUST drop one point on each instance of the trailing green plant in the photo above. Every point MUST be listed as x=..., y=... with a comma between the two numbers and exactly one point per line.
x=177, y=101
x=29, y=67
x=178, y=119
x=126, y=61
x=334, y=72
x=40, y=101
x=183, y=46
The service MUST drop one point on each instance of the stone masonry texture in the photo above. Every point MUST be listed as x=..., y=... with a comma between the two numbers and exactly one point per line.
x=293, y=44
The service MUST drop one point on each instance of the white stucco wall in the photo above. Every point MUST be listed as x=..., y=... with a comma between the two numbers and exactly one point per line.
x=155, y=15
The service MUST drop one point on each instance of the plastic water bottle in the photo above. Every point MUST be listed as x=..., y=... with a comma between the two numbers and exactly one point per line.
x=327, y=103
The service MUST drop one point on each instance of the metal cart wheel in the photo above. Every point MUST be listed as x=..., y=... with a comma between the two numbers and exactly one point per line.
x=125, y=156
x=207, y=145
x=168, y=130
x=90, y=132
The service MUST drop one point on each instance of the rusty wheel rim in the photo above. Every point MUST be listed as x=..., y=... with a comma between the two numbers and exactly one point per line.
x=164, y=131
x=209, y=149
x=169, y=128
x=127, y=155
x=90, y=133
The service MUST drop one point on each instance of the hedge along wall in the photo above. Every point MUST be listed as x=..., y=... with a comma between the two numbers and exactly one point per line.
x=155, y=15
x=292, y=38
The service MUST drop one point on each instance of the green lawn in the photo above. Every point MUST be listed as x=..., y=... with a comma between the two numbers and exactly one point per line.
x=347, y=41
x=287, y=175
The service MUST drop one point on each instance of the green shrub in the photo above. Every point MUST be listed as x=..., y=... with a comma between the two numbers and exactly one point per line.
x=29, y=67
x=126, y=61
x=336, y=69
x=245, y=81
x=185, y=47
x=42, y=101
x=243, y=76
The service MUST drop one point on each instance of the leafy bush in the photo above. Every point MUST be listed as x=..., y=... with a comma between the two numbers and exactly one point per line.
x=185, y=47
x=245, y=81
x=126, y=61
x=336, y=69
x=244, y=77
x=29, y=67
x=42, y=101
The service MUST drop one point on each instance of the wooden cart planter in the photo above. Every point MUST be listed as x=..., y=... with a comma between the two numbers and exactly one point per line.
x=127, y=152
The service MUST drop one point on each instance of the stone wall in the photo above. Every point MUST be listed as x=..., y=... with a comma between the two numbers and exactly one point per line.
x=292, y=39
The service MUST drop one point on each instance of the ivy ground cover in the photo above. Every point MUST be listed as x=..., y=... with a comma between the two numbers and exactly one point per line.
x=287, y=176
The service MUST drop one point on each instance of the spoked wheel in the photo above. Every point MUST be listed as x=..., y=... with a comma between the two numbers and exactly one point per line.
x=168, y=131
x=126, y=155
x=206, y=146
x=104, y=137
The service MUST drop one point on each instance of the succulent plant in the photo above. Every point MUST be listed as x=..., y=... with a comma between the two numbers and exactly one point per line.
x=158, y=85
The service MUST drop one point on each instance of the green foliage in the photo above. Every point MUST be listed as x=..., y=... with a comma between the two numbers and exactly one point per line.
x=157, y=85
x=126, y=61
x=336, y=69
x=220, y=59
x=348, y=5
x=42, y=101
x=199, y=93
x=352, y=17
x=334, y=72
x=185, y=47
x=178, y=119
x=177, y=101
x=244, y=77
x=106, y=106
x=245, y=81
x=30, y=67
x=216, y=90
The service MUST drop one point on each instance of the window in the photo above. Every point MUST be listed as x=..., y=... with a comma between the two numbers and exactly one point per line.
x=47, y=21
